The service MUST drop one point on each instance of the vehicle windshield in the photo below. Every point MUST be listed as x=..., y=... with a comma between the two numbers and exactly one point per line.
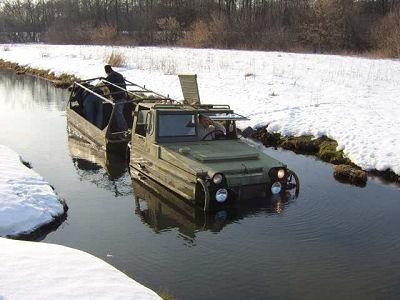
x=176, y=125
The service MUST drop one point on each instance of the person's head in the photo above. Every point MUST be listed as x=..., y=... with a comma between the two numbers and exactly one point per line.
x=108, y=69
x=204, y=121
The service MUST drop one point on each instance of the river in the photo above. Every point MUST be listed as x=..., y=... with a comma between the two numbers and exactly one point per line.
x=333, y=241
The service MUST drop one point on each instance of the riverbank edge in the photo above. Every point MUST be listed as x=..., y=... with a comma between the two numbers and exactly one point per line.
x=38, y=233
x=62, y=81
x=323, y=148
x=44, y=229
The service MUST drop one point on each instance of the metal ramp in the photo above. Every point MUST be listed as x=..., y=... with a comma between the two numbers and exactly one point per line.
x=190, y=89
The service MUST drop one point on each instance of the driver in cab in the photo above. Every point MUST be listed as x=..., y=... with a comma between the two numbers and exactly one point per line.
x=208, y=129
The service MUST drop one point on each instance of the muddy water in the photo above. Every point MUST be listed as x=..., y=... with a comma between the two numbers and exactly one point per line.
x=333, y=241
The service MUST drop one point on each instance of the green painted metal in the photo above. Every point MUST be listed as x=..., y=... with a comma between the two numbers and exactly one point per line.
x=184, y=164
x=181, y=163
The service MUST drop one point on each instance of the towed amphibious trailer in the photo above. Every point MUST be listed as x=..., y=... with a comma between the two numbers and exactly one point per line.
x=106, y=136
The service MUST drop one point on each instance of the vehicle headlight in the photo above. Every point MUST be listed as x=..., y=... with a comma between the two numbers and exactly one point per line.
x=221, y=195
x=217, y=179
x=281, y=173
x=276, y=188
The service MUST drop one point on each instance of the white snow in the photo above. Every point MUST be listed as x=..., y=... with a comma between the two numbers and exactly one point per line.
x=352, y=100
x=30, y=270
x=26, y=200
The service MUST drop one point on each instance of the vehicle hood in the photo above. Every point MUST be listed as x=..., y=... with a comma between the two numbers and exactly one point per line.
x=223, y=156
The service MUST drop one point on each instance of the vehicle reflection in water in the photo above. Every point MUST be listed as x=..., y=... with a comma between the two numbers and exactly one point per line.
x=105, y=170
x=162, y=210
x=156, y=206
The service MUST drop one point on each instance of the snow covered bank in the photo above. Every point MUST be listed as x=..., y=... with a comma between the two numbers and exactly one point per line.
x=354, y=101
x=27, y=202
x=30, y=270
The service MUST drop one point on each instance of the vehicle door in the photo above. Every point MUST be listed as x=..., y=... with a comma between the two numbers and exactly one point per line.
x=140, y=136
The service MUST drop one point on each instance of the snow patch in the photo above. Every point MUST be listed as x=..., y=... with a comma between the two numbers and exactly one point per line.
x=30, y=270
x=26, y=200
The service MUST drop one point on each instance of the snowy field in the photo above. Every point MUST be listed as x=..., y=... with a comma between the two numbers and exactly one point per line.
x=30, y=270
x=355, y=101
x=26, y=200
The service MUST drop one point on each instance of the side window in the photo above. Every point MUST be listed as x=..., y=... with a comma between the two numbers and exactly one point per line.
x=149, y=123
x=141, y=122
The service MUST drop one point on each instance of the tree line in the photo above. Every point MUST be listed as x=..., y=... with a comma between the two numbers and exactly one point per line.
x=290, y=25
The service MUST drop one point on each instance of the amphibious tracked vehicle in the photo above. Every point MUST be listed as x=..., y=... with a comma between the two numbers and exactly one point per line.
x=195, y=151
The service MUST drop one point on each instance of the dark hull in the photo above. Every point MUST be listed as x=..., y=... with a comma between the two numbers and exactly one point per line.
x=81, y=128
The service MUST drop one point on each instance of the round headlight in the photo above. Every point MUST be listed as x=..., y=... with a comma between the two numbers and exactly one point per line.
x=281, y=173
x=221, y=195
x=276, y=188
x=217, y=179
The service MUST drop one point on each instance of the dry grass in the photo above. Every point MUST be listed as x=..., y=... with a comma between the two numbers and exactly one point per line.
x=165, y=295
x=350, y=174
x=116, y=59
x=246, y=75
x=62, y=81
x=323, y=147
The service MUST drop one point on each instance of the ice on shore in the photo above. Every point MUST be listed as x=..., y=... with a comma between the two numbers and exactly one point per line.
x=27, y=201
x=31, y=270
x=350, y=99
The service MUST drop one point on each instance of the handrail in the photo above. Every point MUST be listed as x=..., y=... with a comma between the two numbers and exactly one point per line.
x=90, y=79
x=94, y=93
x=133, y=93
x=142, y=87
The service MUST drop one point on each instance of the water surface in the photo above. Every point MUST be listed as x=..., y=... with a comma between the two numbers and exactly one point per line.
x=334, y=241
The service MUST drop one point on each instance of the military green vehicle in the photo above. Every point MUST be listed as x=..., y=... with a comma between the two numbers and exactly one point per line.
x=195, y=151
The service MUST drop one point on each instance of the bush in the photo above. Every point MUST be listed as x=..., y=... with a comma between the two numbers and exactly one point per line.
x=386, y=35
x=198, y=36
x=215, y=33
x=104, y=35
x=221, y=33
x=116, y=59
x=171, y=30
